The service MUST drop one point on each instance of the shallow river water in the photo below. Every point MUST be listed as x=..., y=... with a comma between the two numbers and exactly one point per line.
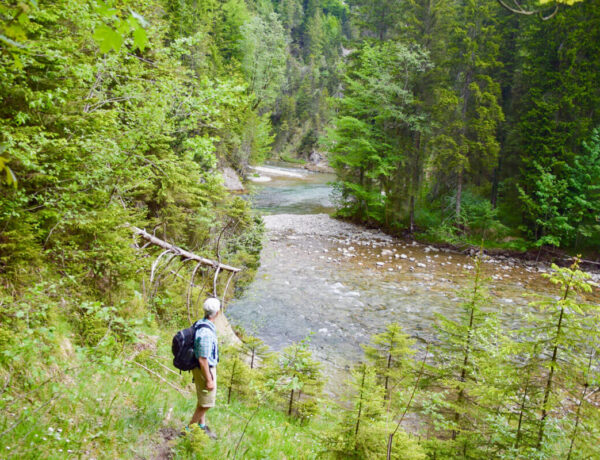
x=342, y=283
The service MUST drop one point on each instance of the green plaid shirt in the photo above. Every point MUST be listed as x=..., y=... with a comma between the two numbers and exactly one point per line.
x=205, y=343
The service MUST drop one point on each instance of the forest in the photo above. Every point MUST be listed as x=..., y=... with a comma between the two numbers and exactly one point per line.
x=463, y=122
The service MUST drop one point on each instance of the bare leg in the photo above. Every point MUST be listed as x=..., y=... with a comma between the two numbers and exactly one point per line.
x=199, y=415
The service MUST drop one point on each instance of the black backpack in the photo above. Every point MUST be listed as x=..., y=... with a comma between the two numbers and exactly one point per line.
x=183, y=347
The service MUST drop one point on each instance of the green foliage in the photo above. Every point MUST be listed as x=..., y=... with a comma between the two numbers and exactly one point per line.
x=111, y=37
x=362, y=430
x=296, y=377
x=378, y=117
x=390, y=355
x=234, y=373
x=255, y=350
x=551, y=225
x=263, y=47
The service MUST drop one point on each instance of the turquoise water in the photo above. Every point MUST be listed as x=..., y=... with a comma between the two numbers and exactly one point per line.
x=309, y=194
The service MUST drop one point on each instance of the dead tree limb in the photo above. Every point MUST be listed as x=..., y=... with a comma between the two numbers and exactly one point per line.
x=225, y=291
x=172, y=385
x=215, y=282
x=182, y=252
x=155, y=264
x=189, y=291
x=519, y=9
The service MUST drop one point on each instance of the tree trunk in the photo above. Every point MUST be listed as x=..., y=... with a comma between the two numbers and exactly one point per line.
x=291, y=402
x=551, y=373
x=459, y=182
x=411, y=228
x=521, y=412
x=233, y=365
x=578, y=414
x=467, y=348
x=387, y=376
x=495, y=181
x=415, y=180
x=362, y=386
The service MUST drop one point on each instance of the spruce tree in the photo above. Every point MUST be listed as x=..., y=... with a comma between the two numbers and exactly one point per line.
x=363, y=428
x=390, y=354
x=296, y=376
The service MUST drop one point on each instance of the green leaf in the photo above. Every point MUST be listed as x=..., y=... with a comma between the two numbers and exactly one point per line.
x=105, y=10
x=107, y=38
x=140, y=38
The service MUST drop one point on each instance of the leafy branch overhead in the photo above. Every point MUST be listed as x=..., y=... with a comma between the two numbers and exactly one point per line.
x=116, y=26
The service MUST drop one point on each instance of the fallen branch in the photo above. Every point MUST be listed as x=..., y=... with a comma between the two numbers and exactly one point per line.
x=25, y=416
x=182, y=252
x=237, y=446
x=181, y=391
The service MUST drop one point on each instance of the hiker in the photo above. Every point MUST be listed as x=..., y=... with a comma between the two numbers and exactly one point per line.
x=206, y=351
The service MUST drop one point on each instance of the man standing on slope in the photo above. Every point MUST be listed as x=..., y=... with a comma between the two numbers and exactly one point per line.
x=206, y=351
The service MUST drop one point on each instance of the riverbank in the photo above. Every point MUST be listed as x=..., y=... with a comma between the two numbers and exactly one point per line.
x=340, y=283
x=325, y=225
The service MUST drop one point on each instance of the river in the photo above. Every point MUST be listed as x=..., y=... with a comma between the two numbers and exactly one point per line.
x=340, y=283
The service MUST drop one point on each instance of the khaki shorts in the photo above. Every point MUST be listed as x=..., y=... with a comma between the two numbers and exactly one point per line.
x=205, y=398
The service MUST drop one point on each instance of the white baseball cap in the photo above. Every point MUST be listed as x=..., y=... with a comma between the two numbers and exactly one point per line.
x=211, y=306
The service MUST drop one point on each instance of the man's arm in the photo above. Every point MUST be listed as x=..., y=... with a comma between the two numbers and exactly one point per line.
x=210, y=383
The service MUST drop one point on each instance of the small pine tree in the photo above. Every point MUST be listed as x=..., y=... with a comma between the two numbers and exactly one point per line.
x=234, y=373
x=564, y=333
x=363, y=428
x=296, y=377
x=462, y=353
x=390, y=355
x=255, y=349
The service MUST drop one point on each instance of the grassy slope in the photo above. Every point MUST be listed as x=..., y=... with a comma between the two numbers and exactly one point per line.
x=108, y=407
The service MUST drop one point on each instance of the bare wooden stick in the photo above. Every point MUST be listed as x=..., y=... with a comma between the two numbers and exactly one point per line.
x=215, y=282
x=155, y=264
x=189, y=291
x=25, y=416
x=204, y=284
x=159, y=272
x=225, y=291
x=164, y=367
x=183, y=392
x=237, y=446
x=182, y=252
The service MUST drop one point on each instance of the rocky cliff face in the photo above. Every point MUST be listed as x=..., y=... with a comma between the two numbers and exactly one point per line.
x=231, y=180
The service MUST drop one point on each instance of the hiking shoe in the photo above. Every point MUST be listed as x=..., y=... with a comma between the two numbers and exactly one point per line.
x=208, y=432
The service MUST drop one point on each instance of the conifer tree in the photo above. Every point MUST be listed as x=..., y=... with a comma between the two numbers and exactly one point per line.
x=233, y=371
x=294, y=376
x=460, y=357
x=390, y=355
x=255, y=349
x=561, y=322
x=363, y=429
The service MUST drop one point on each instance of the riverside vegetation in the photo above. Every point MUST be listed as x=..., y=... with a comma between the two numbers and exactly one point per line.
x=119, y=114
